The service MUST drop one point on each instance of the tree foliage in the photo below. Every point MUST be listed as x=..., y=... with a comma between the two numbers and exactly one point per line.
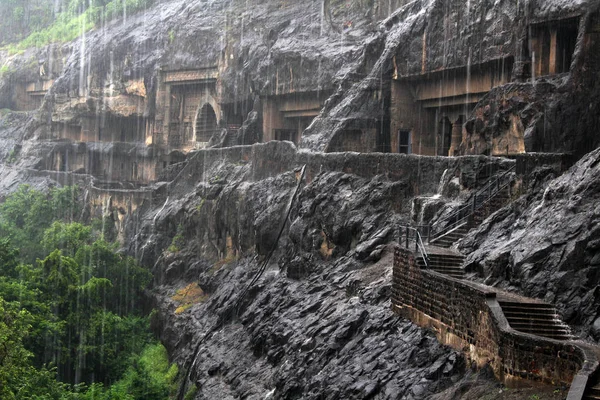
x=27, y=213
x=70, y=325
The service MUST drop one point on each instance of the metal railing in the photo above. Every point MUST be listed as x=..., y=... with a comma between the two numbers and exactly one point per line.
x=478, y=200
x=404, y=234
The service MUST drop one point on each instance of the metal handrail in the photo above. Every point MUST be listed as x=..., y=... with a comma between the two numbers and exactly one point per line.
x=475, y=204
x=419, y=246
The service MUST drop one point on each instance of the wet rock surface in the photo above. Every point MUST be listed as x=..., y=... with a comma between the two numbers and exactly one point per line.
x=545, y=244
x=317, y=323
x=331, y=335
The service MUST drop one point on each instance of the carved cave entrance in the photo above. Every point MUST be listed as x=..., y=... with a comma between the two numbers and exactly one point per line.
x=206, y=123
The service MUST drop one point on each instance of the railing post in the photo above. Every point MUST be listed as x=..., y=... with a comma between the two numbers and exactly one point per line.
x=407, y=238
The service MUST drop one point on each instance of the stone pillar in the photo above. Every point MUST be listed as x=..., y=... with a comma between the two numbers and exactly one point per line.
x=456, y=137
x=553, y=62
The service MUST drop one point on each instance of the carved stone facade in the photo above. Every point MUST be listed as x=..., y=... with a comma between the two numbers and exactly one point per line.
x=429, y=108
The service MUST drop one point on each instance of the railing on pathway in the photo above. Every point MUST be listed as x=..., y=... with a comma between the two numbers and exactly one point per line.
x=407, y=234
x=463, y=215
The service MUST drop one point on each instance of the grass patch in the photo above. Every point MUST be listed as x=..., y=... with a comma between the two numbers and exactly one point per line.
x=200, y=205
x=191, y=393
x=188, y=296
x=221, y=263
x=71, y=24
x=178, y=241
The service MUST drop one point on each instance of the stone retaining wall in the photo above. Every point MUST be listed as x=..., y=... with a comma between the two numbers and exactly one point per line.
x=470, y=319
x=421, y=174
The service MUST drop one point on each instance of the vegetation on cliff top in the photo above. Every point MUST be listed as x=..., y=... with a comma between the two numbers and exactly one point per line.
x=38, y=23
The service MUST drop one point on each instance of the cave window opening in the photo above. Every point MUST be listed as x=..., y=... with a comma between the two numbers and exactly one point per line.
x=551, y=46
x=285, y=134
x=206, y=123
x=566, y=42
x=404, y=145
x=64, y=163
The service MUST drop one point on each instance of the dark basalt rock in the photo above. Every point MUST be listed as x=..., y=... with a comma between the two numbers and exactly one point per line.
x=545, y=244
x=317, y=323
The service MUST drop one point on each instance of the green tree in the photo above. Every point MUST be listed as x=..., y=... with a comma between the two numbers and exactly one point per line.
x=27, y=213
x=9, y=259
x=129, y=279
x=18, y=378
x=68, y=237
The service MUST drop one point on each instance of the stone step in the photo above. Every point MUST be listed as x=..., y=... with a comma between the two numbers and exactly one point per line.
x=525, y=312
x=446, y=259
x=539, y=325
x=535, y=318
x=449, y=271
x=457, y=275
x=543, y=331
x=526, y=315
x=594, y=391
x=445, y=263
x=433, y=256
x=454, y=271
x=529, y=306
x=440, y=265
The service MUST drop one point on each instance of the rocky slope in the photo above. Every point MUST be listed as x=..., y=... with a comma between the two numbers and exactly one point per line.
x=546, y=244
x=317, y=323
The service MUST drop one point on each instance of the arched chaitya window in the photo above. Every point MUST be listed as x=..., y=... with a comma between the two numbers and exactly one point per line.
x=206, y=123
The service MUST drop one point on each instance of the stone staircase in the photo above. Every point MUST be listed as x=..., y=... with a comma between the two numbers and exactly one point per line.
x=536, y=319
x=444, y=263
x=494, y=203
x=448, y=239
x=481, y=205
x=593, y=393
x=522, y=314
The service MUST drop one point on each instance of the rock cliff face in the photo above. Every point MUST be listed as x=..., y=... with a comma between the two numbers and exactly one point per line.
x=349, y=49
x=316, y=322
x=545, y=244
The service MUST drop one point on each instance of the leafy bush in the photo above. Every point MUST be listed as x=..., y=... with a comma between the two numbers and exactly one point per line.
x=68, y=237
